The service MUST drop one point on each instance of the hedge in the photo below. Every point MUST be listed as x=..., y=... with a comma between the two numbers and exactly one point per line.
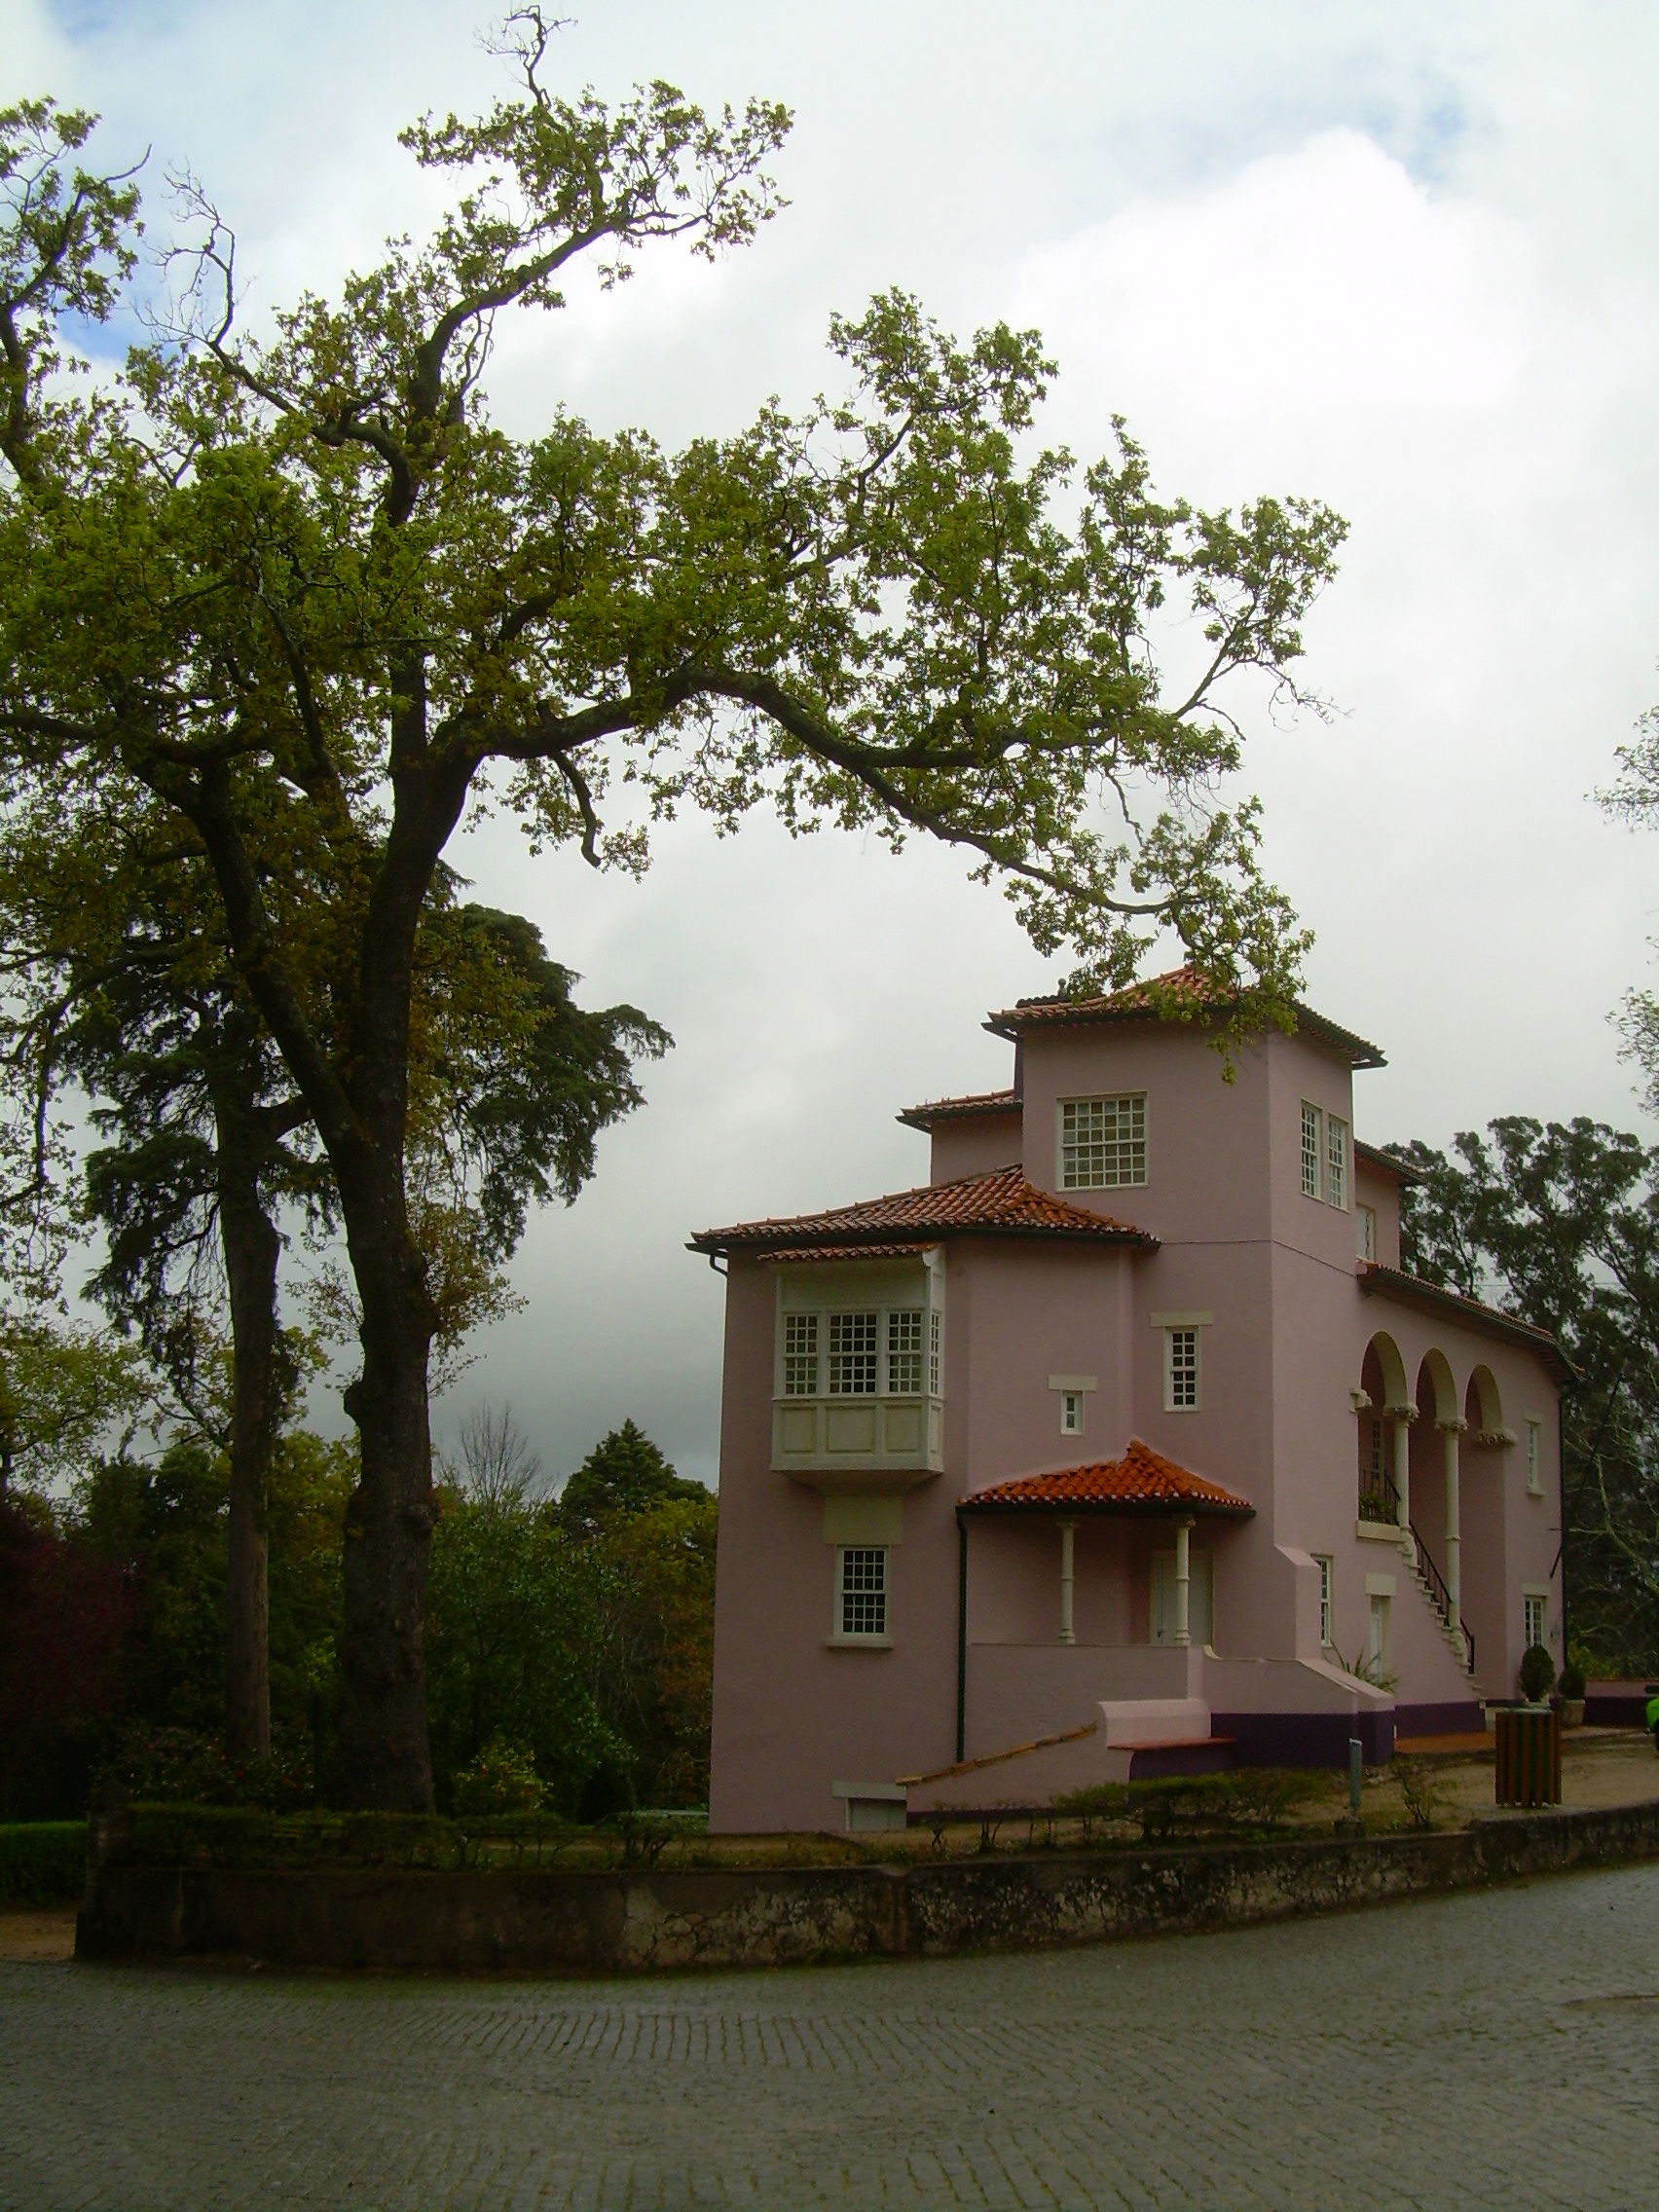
x=42, y=1862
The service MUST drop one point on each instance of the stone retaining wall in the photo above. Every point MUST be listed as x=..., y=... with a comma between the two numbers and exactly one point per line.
x=638, y=1921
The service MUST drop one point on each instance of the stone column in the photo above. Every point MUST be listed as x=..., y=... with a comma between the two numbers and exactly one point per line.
x=1402, y=1418
x=1450, y=1432
x=1182, y=1581
x=1068, y=1535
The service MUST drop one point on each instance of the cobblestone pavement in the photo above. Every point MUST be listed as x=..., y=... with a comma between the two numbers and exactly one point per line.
x=1497, y=2049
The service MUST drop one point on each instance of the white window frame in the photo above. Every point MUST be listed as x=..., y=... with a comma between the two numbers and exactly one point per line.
x=800, y=1322
x=875, y=1637
x=1327, y=1168
x=1534, y=1605
x=1186, y=1333
x=1327, y=1596
x=1130, y=1103
x=1534, y=1456
x=1312, y=1151
x=1071, y=1412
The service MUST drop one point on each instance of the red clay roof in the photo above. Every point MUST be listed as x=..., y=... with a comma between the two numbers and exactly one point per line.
x=1142, y=1481
x=1380, y=1157
x=1188, y=985
x=960, y=1109
x=804, y=1255
x=998, y=1203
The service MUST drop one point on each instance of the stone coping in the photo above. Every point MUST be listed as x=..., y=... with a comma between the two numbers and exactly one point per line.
x=639, y=1921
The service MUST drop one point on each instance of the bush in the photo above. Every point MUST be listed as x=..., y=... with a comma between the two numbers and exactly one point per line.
x=1537, y=1673
x=42, y=1862
x=181, y=1766
x=501, y=1778
x=1248, y=1798
x=1571, y=1679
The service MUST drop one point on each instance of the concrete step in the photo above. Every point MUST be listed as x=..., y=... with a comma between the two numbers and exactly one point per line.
x=1155, y=1759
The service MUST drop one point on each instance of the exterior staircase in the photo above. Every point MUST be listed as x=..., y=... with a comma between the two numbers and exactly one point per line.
x=1379, y=1499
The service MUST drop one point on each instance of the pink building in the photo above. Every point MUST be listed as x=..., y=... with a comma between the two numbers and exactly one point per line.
x=1121, y=1445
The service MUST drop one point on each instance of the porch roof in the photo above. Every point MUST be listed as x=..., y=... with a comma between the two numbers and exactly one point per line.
x=995, y=1202
x=1142, y=1482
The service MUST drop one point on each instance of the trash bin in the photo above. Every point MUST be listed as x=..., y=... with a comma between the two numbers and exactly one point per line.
x=1529, y=1756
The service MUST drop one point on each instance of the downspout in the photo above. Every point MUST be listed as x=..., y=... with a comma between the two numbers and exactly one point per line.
x=961, y=1637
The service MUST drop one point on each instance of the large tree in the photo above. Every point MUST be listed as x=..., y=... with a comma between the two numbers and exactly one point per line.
x=298, y=587
x=1558, y=1221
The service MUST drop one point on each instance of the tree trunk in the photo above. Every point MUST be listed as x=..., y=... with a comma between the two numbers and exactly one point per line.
x=388, y=1523
x=251, y=1248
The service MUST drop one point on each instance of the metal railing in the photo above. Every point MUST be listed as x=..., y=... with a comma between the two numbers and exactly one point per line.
x=1379, y=1501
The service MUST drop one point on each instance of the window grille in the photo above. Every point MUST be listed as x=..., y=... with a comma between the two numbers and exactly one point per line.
x=905, y=1352
x=800, y=1355
x=863, y=1591
x=934, y=1353
x=852, y=1356
x=1336, y=1160
x=1182, y=1372
x=1309, y=1150
x=1102, y=1142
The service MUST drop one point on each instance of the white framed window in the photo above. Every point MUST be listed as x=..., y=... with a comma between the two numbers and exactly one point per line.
x=860, y=1593
x=1335, y=1161
x=1180, y=1371
x=1102, y=1142
x=1534, y=1456
x=867, y=1353
x=1071, y=1412
x=1365, y=1233
x=1535, y=1605
x=800, y=1355
x=1327, y=1581
x=1310, y=1150
x=1377, y=1634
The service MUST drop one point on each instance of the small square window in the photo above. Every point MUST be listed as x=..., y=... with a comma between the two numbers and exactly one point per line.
x=1180, y=1371
x=1071, y=1412
x=862, y=1591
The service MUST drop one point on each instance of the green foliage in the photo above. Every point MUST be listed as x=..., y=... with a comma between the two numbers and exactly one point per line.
x=62, y=1389
x=1571, y=1682
x=1246, y=1800
x=654, y=1663
x=1537, y=1673
x=42, y=1862
x=501, y=1778
x=624, y=1473
x=179, y=1766
x=1422, y=1790
x=1559, y=1222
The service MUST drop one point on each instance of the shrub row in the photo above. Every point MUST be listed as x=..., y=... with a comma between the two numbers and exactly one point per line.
x=246, y=1837
x=42, y=1862
x=1246, y=1800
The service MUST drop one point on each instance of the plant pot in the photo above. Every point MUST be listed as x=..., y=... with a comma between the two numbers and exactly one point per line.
x=1572, y=1713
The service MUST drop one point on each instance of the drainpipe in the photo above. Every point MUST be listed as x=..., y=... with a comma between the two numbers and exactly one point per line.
x=961, y=1637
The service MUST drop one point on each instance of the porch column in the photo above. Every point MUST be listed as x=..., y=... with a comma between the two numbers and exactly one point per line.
x=1183, y=1580
x=1402, y=1418
x=1068, y=1532
x=1451, y=1431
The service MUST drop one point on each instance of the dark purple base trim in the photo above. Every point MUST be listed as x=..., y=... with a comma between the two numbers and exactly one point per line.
x=1612, y=1710
x=1463, y=1717
x=1305, y=1739
x=1159, y=1760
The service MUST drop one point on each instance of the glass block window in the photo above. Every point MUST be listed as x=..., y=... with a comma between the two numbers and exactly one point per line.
x=1181, y=1371
x=905, y=1352
x=852, y=1356
x=1309, y=1150
x=1102, y=1142
x=863, y=1607
x=934, y=1352
x=1335, y=1161
x=800, y=1355
x=1327, y=1578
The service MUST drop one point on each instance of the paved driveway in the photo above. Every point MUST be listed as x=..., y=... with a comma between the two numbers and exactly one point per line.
x=1490, y=2050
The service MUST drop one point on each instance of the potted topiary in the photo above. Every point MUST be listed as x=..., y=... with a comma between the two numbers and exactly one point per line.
x=1538, y=1674
x=1570, y=1695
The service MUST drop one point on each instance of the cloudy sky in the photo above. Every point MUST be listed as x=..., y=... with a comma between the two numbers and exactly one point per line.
x=1402, y=257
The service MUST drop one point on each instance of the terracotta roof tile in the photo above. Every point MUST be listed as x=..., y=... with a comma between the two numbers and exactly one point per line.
x=805, y=1254
x=960, y=1109
x=997, y=1203
x=1141, y=1481
x=1188, y=985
